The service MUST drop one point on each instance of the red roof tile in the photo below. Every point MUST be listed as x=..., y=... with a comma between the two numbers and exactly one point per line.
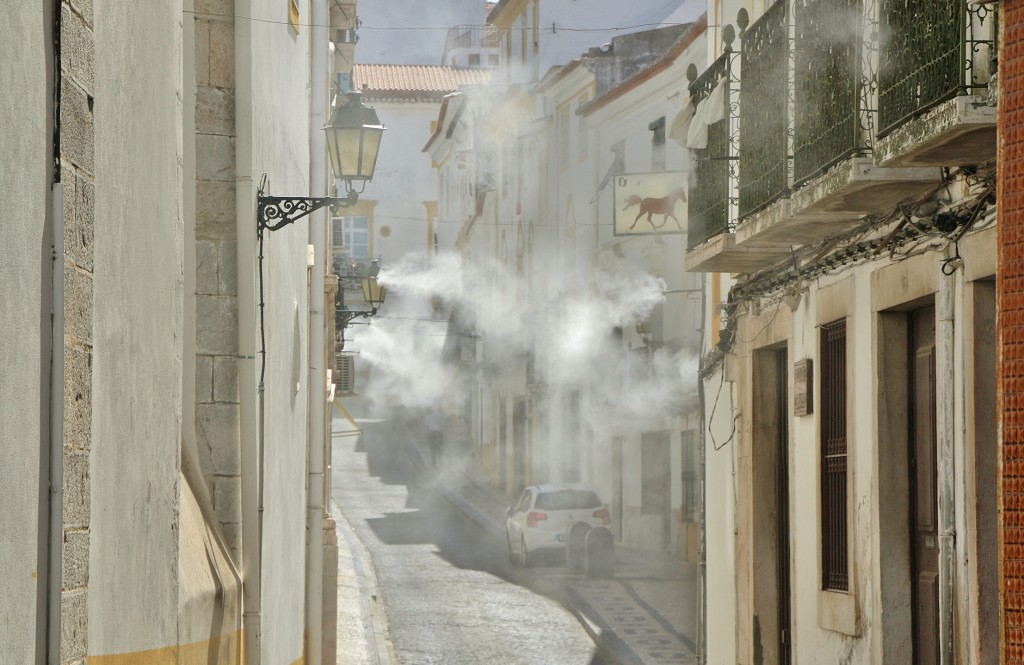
x=414, y=82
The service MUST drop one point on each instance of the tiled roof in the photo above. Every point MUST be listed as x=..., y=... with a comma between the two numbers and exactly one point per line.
x=414, y=82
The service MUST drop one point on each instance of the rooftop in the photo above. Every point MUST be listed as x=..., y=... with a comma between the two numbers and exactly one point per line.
x=414, y=82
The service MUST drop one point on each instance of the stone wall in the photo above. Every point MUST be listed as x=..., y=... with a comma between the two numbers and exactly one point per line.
x=77, y=149
x=217, y=408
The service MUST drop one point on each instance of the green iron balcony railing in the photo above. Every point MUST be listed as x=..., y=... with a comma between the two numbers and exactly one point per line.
x=829, y=80
x=708, y=206
x=764, y=110
x=931, y=51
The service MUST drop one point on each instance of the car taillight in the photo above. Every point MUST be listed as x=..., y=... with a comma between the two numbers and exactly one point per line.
x=605, y=516
x=532, y=518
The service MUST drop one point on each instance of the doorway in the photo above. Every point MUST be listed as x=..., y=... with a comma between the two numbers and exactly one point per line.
x=656, y=482
x=617, y=495
x=519, y=445
x=770, y=507
x=503, y=446
x=924, y=532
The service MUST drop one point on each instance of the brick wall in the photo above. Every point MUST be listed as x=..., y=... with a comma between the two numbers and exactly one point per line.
x=1010, y=288
x=77, y=176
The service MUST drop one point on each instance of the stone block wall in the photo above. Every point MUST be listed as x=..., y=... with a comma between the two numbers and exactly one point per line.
x=217, y=407
x=77, y=174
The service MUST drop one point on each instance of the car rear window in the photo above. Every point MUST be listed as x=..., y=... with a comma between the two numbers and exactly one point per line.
x=567, y=500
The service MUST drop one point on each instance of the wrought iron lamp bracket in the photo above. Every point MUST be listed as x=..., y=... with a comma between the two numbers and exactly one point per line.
x=275, y=212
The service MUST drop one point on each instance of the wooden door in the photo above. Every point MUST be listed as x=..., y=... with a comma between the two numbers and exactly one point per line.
x=782, y=507
x=923, y=488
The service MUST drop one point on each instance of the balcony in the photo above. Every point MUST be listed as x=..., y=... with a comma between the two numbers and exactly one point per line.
x=468, y=39
x=764, y=111
x=765, y=172
x=934, y=71
x=711, y=245
x=831, y=179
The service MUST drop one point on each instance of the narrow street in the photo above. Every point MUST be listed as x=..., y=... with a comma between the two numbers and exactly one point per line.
x=445, y=585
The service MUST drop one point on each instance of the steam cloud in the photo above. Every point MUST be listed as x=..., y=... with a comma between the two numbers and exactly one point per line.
x=570, y=335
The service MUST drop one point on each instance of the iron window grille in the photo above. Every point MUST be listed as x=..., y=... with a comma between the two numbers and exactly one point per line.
x=834, y=468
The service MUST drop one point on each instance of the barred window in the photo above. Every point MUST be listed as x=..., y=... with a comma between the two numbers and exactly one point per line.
x=834, y=537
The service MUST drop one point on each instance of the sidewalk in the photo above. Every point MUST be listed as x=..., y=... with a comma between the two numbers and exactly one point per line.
x=646, y=614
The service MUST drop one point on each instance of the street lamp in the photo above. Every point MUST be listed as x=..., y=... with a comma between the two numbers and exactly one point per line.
x=362, y=275
x=643, y=328
x=353, y=141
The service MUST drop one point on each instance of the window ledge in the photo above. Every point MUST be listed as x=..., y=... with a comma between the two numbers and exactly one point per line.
x=837, y=611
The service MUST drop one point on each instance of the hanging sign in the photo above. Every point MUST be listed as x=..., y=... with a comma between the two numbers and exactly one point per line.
x=647, y=203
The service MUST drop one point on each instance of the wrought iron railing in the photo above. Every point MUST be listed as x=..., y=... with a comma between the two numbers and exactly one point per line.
x=829, y=79
x=932, y=50
x=708, y=206
x=470, y=36
x=764, y=110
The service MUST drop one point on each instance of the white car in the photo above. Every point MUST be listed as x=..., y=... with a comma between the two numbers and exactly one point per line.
x=538, y=521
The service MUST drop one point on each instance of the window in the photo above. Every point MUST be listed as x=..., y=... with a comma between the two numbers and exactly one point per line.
x=564, y=136
x=352, y=234
x=834, y=537
x=691, y=477
x=655, y=465
x=571, y=442
x=492, y=59
x=567, y=500
x=657, y=144
x=474, y=59
x=343, y=81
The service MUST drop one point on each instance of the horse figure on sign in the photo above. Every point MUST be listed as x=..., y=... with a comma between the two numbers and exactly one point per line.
x=664, y=206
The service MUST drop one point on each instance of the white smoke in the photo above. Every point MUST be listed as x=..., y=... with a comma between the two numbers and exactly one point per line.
x=570, y=334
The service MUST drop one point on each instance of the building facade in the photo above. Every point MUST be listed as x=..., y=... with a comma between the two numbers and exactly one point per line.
x=158, y=461
x=846, y=218
x=529, y=168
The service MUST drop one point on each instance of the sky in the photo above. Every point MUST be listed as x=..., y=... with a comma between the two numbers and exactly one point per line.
x=393, y=34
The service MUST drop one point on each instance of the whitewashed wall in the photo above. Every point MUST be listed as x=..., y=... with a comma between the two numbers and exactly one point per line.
x=280, y=148
x=25, y=172
x=138, y=328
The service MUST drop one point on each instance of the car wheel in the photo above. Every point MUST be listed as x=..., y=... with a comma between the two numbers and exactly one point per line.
x=512, y=559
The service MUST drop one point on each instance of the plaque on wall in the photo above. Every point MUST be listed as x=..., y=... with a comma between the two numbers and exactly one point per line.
x=803, y=392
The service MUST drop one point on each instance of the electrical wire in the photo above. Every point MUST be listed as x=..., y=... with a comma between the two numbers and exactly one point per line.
x=711, y=418
x=553, y=29
x=765, y=328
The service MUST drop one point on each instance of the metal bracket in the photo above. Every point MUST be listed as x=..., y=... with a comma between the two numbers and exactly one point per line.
x=275, y=212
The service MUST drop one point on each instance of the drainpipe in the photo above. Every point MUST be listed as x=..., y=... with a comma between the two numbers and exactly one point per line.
x=702, y=616
x=250, y=404
x=317, y=373
x=946, y=429
x=53, y=524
